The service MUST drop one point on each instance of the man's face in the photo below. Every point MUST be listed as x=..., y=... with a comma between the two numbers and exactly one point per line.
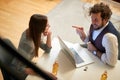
x=97, y=21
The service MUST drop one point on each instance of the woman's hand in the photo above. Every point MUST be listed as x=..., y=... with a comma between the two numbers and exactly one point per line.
x=47, y=31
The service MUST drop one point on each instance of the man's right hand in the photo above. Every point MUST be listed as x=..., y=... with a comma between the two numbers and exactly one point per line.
x=80, y=32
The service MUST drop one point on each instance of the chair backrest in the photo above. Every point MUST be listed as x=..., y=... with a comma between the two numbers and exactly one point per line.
x=5, y=60
x=4, y=55
x=8, y=54
x=118, y=45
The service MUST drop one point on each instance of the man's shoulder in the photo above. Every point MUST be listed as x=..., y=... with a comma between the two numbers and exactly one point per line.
x=110, y=36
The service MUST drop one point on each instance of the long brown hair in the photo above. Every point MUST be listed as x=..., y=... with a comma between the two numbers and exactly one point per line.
x=37, y=25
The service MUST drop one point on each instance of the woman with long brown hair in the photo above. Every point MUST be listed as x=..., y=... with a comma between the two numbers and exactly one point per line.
x=31, y=40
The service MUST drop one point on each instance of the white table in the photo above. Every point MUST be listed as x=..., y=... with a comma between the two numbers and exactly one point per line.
x=67, y=70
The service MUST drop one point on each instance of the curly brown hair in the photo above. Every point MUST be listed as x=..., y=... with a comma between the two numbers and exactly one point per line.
x=101, y=8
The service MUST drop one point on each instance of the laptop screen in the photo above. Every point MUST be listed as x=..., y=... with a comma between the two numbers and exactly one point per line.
x=79, y=57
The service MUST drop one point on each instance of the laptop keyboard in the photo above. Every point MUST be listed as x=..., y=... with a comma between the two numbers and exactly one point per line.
x=78, y=59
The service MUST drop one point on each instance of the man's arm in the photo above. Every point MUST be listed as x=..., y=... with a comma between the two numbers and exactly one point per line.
x=111, y=46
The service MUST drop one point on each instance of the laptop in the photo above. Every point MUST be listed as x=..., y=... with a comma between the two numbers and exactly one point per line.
x=77, y=55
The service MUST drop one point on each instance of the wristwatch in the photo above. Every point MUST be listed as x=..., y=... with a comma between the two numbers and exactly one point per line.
x=95, y=53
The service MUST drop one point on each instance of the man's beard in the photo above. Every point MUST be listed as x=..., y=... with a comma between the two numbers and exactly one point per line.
x=98, y=27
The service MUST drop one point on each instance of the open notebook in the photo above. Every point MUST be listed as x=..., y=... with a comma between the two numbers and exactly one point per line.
x=74, y=52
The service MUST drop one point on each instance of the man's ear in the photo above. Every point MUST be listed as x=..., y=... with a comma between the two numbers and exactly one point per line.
x=105, y=20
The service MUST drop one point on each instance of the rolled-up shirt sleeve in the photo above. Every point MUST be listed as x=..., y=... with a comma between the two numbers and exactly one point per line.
x=45, y=47
x=110, y=44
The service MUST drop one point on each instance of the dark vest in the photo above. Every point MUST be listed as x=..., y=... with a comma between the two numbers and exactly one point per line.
x=98, y=41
